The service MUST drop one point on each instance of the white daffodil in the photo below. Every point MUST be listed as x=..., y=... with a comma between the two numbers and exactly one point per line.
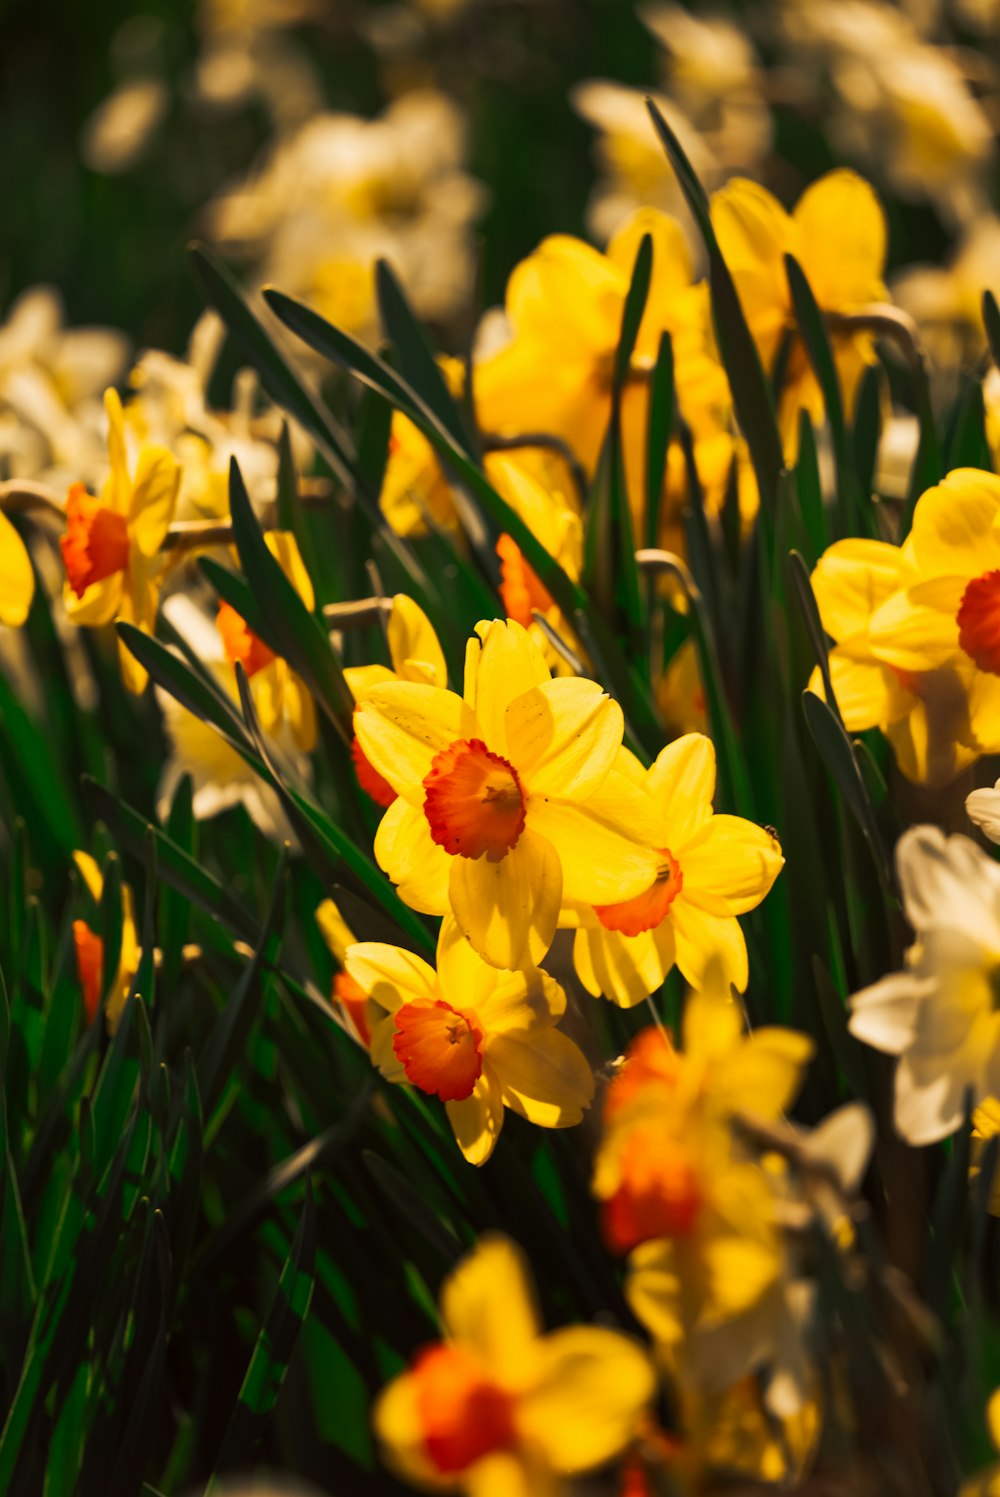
x=940, y=1014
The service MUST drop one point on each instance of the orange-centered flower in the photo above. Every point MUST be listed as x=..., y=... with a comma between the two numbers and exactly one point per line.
x=89, y=950
x=368, y=777
x=659, y=1194
x=474, y=802
x=240, y=642
x=95, y=544
x=978, y=620
x=521, y=589
x=440, y=1048
x=464, y=1414
x=648, y=909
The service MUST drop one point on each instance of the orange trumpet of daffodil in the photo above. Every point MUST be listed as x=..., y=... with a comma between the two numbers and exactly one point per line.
x=946, y=614
x=708, y=870
x=477, y=1038
x=499, y=1409
x=88, y=949
x=508, y=796
x=111, y=544
x=837, y=233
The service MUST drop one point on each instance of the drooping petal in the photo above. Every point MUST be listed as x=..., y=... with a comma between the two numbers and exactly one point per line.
x=542, y=1075
x=733, y=858
x=17, y=580
x=592, y=1387
x=405, y=850
x=476, y=1121
x=564, y=736
x=401, y=727
x=600, y=863
x=390, y=975
x=509, y=909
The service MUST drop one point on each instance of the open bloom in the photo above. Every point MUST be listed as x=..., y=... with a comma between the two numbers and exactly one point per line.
x=947, y=613
x=17, y=580
x=499, y=1409
x=939, y=1015
x=477, y=1038
x=707, y=870
x=924, y=713
x=111, y=543
x=88, y=948
x=838, y=235
x=416, y=655
x=508, y=796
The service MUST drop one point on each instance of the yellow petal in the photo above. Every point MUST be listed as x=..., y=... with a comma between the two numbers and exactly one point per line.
x=850, y=580
x=702, y=935
x=405, y=850
x=389, y=975
x=567, y=293
x=522, y=1001
x=509, y=909
x=864, y=690
x=334, y=928
x=953, y=525
x=488, y=1306
x=362, y=678
x=842, y=241
x=600, y=863
x=464, y=978
x=682, y=783
x=993, y=1417
x=712, y=1027
x=154, y=498
x=504, y=663
x=285, y=549
x=17, y=580
x=117, y=490
x=476, y=1121
x=764, y=1074
x=912, y=634
x=542, y=1075
x=402, y=725
x=625, y=969
x=563, y=737
x=399, y=1427
x=413, y=645
x=734, y=859
x=90, y=873
x=593, y=1385
x=101, y=602
x=511, y=1473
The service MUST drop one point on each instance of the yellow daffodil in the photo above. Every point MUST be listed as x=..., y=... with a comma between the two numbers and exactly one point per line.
x=280, y=696
x=708, y=870
x=17, y=579
x=350, y=999
x=987, y=1483
x=416, y=656
x=508, y=796
x=939, y=1014
x=565, y=304
x=946, y=615
x=499, y=1409
x=111, y=544
x=838, y=235
x=414, y=486
x=479, y=1039
x=89, y=950
x=924, y=713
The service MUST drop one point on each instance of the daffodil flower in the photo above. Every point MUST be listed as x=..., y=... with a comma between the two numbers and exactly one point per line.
x=924, y=713
x=17, y=578
x=111, y=544
x=506, y=802
x=838, y=235
x=416, y=655
x=946, y=614
x=89, y=950
x=708, y=869
x=499, y=1409
x=479, y=1039
x=348, y=995
x=939, y=1014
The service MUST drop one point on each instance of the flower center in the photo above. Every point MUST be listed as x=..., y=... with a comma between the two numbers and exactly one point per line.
x=648, y=909
x=439, y=1047
x=240, y=642
x=464, y=1414
x=368, y=777
x=474, y=802
x=521, y=588
x=89, y=950
x=95, y=544
x=659, y=1195
x=978, y=620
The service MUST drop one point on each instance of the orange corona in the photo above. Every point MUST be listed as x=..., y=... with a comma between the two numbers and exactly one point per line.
x=463, y=1413
x=474, y=803
x=240, y=642
x=95, y=544
x=978, y=620
x=521, y=588
x=648, y=909
x=439, y=1047
x=89, y=950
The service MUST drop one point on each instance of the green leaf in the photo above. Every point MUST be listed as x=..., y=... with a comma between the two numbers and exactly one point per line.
x=967, y=444
x=658, y=432
x=867, y=429
x=25, y=750
x=273, y=1351
x=810, y=490
x=751, y=393
x=837, y=754
x=411, y=1205
x=416, y=360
